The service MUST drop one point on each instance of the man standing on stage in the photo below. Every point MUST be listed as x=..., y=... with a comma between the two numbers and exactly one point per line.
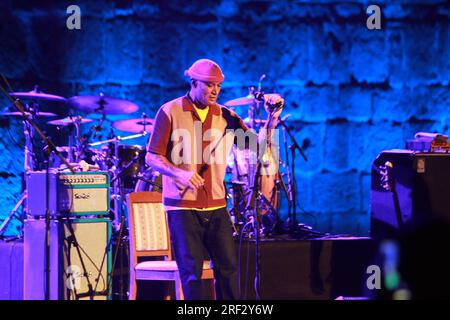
x=192, y=137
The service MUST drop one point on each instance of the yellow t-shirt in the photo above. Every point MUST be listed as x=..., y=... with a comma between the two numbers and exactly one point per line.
x=202, y=113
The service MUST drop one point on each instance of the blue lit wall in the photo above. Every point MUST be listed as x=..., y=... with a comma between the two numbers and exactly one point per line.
x=352, y=92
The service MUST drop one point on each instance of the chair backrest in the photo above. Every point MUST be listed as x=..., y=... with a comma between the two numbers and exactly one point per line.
x=149, y=233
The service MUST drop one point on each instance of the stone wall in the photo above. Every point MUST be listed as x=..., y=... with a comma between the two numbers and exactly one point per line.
x=351, y=92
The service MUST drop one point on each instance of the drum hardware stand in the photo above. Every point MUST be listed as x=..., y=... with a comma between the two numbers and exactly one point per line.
x=237, y=197
x=230, y=216
x=12, y=213
x=29, y=163
x=70, y=146
x=255, y=108
x=118, y=222
x=254, y=112
x=276, y=223
x=98, y=127
x=117, y=194
x=71, y=127
x=144, y=117
x=116, y=187
x=77, y=124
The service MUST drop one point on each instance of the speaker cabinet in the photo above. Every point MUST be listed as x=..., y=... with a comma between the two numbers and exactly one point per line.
x=408, y=188
x=80, y=258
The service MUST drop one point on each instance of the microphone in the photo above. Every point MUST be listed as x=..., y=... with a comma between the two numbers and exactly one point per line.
x=260, y=96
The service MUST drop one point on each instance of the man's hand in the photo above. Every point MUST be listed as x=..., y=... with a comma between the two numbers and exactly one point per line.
x=190, y=179
x=272, y=100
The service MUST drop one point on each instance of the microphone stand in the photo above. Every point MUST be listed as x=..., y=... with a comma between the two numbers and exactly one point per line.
x=287, y=190
x=295, y=145
x=294, y=227
x=48, y=149
x=253, y=205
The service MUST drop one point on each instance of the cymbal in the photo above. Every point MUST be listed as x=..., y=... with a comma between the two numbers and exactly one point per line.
x=36, y=94
x=257, y=121
x=134, y=125
x=68, y=121
x=102, y=104
x=240, y=101
x=249, y=99
x=238, y=182
x=37, y=114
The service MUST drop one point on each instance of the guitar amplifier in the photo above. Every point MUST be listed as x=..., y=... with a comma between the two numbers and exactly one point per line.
x=70, y=194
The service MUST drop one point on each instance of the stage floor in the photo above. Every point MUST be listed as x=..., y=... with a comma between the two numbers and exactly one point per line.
x=307, y=269
x=319, y=269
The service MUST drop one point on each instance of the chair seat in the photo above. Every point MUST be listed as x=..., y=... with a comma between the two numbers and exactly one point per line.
x=164, y=265
x=166, y=270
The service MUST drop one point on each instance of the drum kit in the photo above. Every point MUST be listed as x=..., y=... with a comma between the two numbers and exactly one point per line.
x=123, y=162
x=126, y=163
x=253, y=195
x=242, y=182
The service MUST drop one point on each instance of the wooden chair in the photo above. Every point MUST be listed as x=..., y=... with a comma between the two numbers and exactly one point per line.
x=149, y=237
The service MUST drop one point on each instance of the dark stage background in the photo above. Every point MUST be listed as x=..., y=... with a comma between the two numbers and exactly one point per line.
x=352, y=92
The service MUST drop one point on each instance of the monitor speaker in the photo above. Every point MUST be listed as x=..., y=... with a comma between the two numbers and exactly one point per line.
x=408, y=189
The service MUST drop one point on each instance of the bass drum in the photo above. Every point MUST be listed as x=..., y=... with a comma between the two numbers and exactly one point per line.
x=149, y=180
